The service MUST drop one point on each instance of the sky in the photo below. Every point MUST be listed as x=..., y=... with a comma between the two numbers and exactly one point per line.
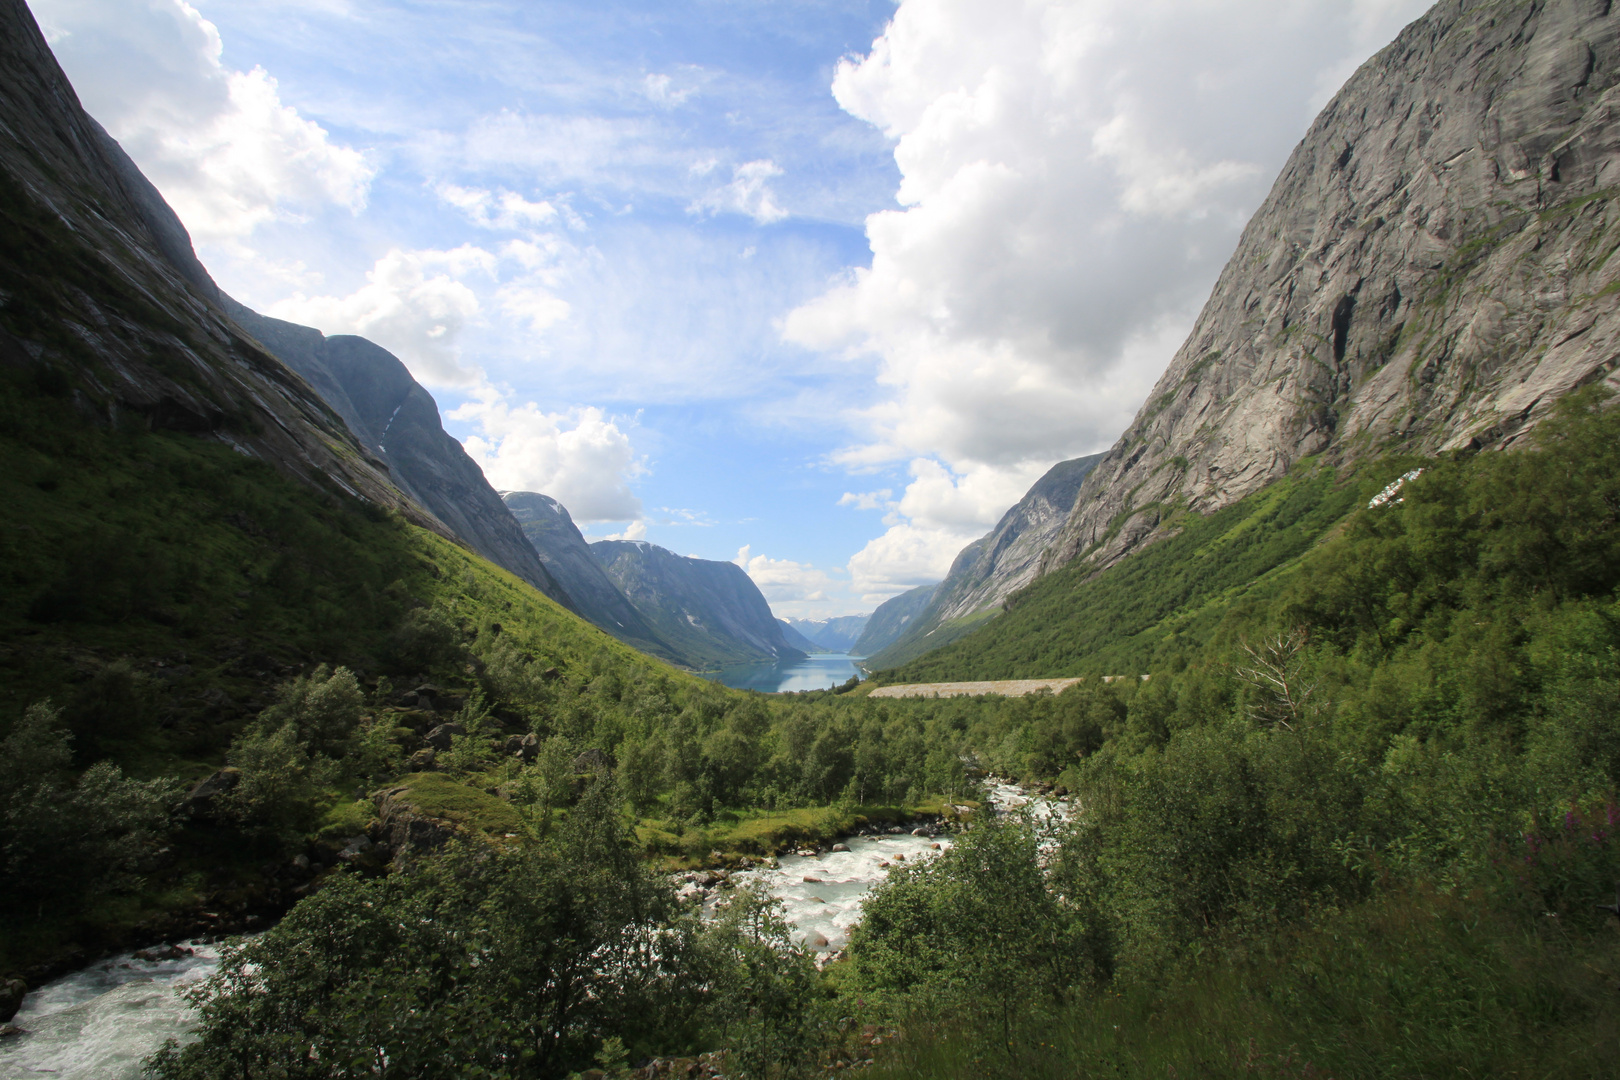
x=816, y=286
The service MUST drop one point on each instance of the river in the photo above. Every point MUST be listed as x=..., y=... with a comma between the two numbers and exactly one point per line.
x=818, y=671
x=101, y=1022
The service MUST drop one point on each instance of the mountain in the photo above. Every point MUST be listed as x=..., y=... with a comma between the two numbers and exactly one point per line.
x=551, y=531
x=994, y=566
x=832, y=635
x=1431, y=271
x=891, y=618
x=103, y=302
x=711, y=613
x=398, y=421
x=797, y=640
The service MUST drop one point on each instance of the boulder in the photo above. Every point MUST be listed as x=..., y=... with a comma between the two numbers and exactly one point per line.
x=439, y=737
x=840, y=847
x=591, y=761
x=12, y=992
x=204, y=800
x=526, y=747
x=423, y=761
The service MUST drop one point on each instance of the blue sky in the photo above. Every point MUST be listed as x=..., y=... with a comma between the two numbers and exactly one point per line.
x=820, y=286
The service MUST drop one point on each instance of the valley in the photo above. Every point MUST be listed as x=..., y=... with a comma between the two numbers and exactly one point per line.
x=1282, y=738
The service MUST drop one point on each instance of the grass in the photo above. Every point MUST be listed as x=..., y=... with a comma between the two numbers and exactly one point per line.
x=437, y=795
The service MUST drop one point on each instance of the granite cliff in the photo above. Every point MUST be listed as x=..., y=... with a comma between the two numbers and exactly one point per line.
x=994, y=566
x=102, y=299
x=398, y=422
x=891, y=619
x=712, y=613
x=1432, y=270
x=551, y=531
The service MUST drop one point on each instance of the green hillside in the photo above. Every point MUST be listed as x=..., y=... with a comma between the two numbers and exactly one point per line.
x=1147, y=612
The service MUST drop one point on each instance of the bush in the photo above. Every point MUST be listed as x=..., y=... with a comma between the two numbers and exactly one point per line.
x=62, y=843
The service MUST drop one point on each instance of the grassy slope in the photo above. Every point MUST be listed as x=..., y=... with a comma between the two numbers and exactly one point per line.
x=1171, y=598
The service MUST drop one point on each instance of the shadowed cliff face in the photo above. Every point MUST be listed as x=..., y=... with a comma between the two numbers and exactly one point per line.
x=550, y=529
x=398, y=422
x=1431, y=270
x=102, y=299
x=711, y=612
x=891, y=619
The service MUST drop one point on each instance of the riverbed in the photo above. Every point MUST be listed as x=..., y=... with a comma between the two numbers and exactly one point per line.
x=101, y=1022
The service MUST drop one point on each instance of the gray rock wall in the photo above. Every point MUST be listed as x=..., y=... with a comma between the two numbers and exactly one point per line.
x=1431, y=270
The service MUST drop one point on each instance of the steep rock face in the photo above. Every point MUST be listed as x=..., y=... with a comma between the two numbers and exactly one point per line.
x=102, y=297
x=994, y=566
x=550, y=529
x=834, y=635
x=398, y=422
x=892, y=617
x=1431, y=270
x=712, y=612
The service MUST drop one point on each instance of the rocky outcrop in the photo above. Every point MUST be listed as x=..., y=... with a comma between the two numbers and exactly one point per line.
x=994, y=566
x=103, y=301
x=398, y=422
x=711, y=613
x=551, y=531
x=1430, y=271
x=892, y=617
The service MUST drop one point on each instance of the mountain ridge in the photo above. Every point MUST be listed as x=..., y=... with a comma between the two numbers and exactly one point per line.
x=1430, y=271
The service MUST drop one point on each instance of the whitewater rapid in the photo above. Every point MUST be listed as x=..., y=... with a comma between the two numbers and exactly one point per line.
x=103, y=1021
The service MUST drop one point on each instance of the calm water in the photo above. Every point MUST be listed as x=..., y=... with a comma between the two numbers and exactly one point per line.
x=818, y=671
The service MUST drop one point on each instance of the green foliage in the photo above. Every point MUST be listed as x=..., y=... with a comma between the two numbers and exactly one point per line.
x=322, y=708
x=64, y=844
x=279, y=782
x=518, y=961
x=1167, y=599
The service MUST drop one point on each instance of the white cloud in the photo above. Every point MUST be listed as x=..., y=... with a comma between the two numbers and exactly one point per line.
x=225, y=151
x=783, y=580
x=636, y=530
x=748, y=193
x=414, y=304
x=497, y=209
x=1073, y=175
x=581, y=457
x=939, y=513
x=662, y=91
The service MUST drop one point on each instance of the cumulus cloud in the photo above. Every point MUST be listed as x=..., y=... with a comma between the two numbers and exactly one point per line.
x=580, y=457
x=497, y=209
x=939, y=513
x=1073, y=175
x=414, y=303
x=220, y=144
x=748, y=193
x=783, y=580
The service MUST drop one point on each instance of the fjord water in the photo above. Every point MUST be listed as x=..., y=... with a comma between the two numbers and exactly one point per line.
x=818, y=671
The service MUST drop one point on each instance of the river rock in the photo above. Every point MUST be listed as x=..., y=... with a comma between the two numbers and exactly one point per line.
x=816, y=941
x=812, y=880
x=12, y=992
x=840, y=847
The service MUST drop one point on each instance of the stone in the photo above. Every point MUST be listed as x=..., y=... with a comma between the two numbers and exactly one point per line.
x=840, y=847
x=204, y=801
x=423, y=761
x=815, y=941
x=12, y=992
x=524, y=747
x=439, y=738
x=812, y=880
